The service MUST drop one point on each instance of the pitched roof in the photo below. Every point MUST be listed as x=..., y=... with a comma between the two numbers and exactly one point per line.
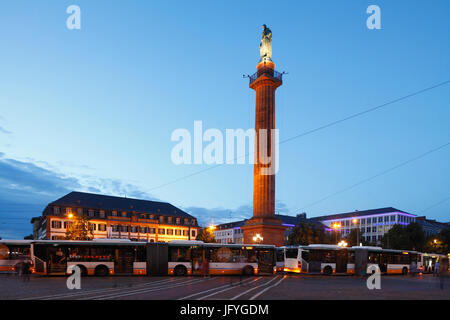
x=103, y=202
x=358, y=214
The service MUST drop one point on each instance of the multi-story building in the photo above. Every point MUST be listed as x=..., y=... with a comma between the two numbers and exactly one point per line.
x=431, y=227
x=116, y=218
x=373, y=223
x=232, y=232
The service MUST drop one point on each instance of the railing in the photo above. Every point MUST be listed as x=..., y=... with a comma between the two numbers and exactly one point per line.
x=39, y=265
x=266, y=71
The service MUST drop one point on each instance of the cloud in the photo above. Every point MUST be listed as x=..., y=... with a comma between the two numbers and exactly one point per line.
x=207, y=216
x=26, y=188
x=3, y=130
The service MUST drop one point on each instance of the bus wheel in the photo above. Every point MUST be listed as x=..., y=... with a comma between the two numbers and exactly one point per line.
x=327, y=270
x=180, y=271
x=248, y=271
x=101, y=271
x=405, y=271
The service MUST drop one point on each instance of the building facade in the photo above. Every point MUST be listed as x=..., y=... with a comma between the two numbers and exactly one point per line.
x=233, y=233
x=431, y=227
x=116, y=218
x=373, y=224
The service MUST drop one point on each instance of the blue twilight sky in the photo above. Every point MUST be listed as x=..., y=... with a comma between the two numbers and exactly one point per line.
x=94, y=109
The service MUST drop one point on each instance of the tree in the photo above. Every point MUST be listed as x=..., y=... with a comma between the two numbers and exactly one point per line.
x=306, y=233
x=79, y=228
x=438, y=243
x=400, y=237
x=352, y=238
x=206, y=236
x=28, y=237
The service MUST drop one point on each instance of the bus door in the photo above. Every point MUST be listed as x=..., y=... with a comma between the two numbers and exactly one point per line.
x=265, y=261
x=315, y=261
x=341, y=261
x=123, y=260
x=197, y=257
x=304, y=259
x=57, y=260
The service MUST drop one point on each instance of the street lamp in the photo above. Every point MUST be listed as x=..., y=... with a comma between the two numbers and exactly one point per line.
x=342, y=243
x=258, y=238
x=356, y=222
x=336, y=226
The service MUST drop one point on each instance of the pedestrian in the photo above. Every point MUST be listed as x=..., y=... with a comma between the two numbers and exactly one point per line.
x=413, y=269
x=436, y=269
x=205, y=268
x=26, y=271
x=443, y=272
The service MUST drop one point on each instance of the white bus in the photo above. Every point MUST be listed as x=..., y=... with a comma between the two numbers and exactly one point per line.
x=12, y=253
x=106, y=257
x=332, y=259
x=317, y=258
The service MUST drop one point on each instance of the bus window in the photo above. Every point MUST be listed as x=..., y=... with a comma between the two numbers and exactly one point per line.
x=329, y=256
x=280, y=255
x=179, y=254
x=351, y=257
x=305, y=256
x=374, y=257
x=291, y=253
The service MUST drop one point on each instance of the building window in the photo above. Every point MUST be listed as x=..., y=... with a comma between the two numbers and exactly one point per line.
x=170, y=232
x=102, y=214
x=178, y=220
x=56, y=224
x=124, y=213
x=151, y=230
x=185, y=233
x=91, y=213
x=56, y=210
x=393, y=218
x=114, y=213
x=177, y=232
x=162, y=231
x=169, y=219
x=101, y=227
x=193, y=233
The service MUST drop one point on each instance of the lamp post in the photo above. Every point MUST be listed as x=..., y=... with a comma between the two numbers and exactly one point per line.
x=342, y=244
x=257, y=238
x=336, y=226
x=356, y=222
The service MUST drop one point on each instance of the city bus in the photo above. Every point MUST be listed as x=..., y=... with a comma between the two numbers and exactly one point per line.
x=332, y=259
x=318, y=258
x=12, y=253
x=186, y=257
x=388, y=260
x=124, y=257
x=428, y=261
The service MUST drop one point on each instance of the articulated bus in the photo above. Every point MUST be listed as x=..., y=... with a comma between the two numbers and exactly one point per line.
x=428, y=261
x=332, y=259
x=13, y=253
x=122, y=257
